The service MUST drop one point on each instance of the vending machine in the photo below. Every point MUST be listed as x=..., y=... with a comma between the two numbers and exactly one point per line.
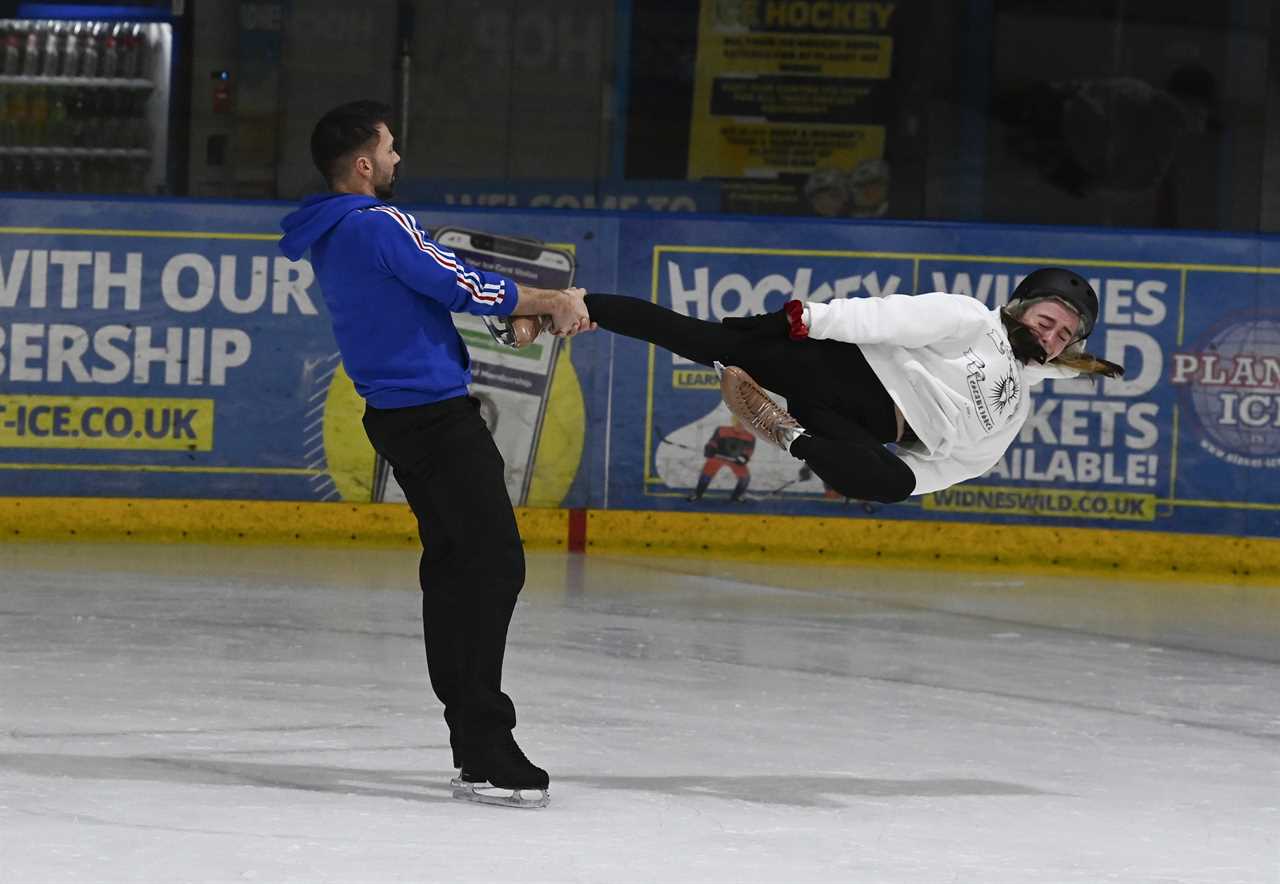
x=85, y=96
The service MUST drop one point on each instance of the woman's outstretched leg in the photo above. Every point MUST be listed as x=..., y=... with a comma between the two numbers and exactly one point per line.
x=697, y=339
x=829, y=374
x=789, y=368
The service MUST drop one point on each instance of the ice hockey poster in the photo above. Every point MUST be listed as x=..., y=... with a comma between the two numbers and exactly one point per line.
x=696, y=453
x=791, y=101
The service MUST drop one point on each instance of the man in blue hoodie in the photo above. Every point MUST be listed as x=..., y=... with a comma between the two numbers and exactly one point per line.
x=390, y=291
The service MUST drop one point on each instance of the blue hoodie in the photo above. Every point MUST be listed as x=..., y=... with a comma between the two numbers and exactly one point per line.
x=390, y=291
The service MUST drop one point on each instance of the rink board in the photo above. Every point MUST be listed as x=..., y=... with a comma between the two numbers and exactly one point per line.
x=811, y=539
x=165, y=350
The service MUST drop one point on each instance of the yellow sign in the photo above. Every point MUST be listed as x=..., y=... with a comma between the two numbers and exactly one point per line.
x=695, y=379
x=743, y=148
x=116, y=422
x=789, y=87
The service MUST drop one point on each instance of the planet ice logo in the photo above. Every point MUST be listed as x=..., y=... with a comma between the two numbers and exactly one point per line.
x=1233, y=383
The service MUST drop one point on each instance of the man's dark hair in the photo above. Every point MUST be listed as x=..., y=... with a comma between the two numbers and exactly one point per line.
x=344, y=130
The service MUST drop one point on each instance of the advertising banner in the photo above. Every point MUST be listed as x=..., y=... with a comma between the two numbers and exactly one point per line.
x=1186, y=440
x=170, y=350
x=167, y=349
x=791, y=100
x=155, y=361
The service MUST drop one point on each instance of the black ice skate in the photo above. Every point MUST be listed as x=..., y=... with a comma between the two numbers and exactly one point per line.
x=499, y=773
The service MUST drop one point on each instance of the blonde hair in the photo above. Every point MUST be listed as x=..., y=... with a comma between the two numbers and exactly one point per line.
x=1073, y=355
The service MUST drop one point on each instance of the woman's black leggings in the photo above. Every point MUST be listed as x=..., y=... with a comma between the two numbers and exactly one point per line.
x=828, y=385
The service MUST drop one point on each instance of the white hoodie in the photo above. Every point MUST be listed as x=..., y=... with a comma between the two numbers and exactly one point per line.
x=947, y=363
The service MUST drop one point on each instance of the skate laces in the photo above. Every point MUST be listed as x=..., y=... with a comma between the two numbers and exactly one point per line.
x=766, y=416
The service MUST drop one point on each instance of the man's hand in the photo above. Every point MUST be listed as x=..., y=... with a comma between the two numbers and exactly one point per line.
x=569, y=313
x=565, y=307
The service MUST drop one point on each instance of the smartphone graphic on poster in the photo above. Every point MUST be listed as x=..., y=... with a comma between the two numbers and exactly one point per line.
x=513, y=386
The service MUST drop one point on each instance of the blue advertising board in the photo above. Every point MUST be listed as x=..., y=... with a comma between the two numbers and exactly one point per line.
x=167, y=349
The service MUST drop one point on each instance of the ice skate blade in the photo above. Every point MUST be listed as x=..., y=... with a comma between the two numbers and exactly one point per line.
x=483, y=793
x=501, y=332
x=515, y=332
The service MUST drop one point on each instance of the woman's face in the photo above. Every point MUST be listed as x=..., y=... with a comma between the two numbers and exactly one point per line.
x=1053, y=324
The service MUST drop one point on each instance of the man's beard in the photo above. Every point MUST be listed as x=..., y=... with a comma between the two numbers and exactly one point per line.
x=387, y=190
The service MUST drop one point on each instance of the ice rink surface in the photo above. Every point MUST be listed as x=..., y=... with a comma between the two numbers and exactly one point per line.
x=201, y=714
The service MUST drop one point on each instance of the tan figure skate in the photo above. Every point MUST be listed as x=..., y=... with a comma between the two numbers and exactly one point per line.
x=516, y=332
x=748, y=401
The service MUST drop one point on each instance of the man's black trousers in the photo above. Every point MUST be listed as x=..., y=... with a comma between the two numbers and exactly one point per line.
x=472, y=567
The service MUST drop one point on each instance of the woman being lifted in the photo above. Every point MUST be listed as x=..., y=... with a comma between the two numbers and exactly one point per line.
x=942, y=377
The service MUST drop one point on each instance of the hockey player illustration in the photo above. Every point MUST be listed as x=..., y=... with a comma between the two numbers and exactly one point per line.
x=731, y=446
